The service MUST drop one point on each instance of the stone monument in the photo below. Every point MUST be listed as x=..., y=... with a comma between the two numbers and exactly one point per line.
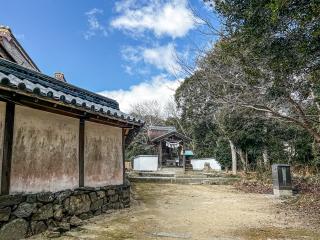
x=281, y=178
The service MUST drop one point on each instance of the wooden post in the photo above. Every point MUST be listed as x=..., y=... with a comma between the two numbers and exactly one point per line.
x=81, y=152
x=160, y=155
x=7, y=148
x=124, y=154
x=184, y=162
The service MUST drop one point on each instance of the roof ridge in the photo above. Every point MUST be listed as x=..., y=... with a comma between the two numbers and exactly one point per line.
x=48, y=81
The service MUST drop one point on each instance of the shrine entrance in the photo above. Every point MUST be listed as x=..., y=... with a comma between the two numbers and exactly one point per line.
x=171, y=146
x=170, y=153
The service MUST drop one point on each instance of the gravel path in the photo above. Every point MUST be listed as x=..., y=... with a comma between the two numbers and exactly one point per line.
x=168, y=211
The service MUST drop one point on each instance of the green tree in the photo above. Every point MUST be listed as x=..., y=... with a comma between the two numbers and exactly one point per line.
x=272, y=49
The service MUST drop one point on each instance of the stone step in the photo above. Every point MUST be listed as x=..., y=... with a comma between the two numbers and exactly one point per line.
x=210, y=181
x=155, y=174
x=190, y=176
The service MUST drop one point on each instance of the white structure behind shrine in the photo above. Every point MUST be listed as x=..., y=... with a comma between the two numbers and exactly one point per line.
x=145, y=163
x=198, y=164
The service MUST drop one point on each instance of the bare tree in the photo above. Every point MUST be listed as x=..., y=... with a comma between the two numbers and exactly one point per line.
x=150, y=111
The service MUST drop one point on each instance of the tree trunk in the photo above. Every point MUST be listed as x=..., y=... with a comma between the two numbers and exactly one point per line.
x=265, y=156
x=247, y=160
x=234, y=157
x=243, y=159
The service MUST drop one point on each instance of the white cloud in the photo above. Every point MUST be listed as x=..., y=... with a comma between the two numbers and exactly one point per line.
x=132, y=54
x=159, y=88
x=162, y=57
x=162, y=17
x=94, y=25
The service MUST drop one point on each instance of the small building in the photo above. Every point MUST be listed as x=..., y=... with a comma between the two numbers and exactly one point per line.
x=145, y=163
x=59, y=144
x=170, y=144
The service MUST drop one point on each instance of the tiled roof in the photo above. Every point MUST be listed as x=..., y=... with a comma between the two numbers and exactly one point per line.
x=16, y=77
x=169, y=134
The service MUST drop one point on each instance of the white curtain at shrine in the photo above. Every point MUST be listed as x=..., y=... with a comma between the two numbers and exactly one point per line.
x=173, y=145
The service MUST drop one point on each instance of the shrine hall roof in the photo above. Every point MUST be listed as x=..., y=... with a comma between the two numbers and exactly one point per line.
x=171, y=134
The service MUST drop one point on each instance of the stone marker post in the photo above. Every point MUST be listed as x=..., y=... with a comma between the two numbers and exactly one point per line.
x=281, y=178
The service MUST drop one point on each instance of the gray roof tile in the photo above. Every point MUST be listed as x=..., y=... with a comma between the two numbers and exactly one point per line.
x=77, y=100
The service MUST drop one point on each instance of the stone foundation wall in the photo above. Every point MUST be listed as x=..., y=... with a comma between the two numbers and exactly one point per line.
x=28, y=214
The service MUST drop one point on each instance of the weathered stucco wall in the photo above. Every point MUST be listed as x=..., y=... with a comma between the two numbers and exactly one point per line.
x=103, y=164
x=45, y=151
x=2, y=120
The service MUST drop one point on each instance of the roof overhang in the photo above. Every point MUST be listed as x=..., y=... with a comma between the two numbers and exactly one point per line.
x=171, y=134
x=33, y=89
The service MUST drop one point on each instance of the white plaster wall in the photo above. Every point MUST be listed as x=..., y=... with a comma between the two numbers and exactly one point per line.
x=145, y=163
x=198, y=164
x=2, y=122
x=103, y=160
x=45, y=151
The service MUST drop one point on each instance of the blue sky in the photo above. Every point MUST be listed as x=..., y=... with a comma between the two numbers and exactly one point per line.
x=126, y=49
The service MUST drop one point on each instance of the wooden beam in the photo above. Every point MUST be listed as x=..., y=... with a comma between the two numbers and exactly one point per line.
x=81, y=151
x=124, y=154
x=160, y=154
x=7, y=148
x=184, y=162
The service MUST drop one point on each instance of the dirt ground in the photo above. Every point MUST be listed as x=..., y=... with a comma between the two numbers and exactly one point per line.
x=165, y=211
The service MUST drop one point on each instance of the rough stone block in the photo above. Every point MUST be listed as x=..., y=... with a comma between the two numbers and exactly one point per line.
x=101, y=194
x=43, y=213
x=38, y=227
x=61, y=196
x=126, y=194
x=116, y=205
x=10, y=200
x=75, y=221
x=111, y=192
x=25, y=209
x=63, y=227
x=17, y=229
x=78, y=204
x=109, y=211
x=105, y=188
x=5, y=214
x=45, y=197
x=53, y=234
x=57, y=212
x=104, y=208
x=56, y=207
x=80, y=192
x=31, y=198
x=114, y=198
x=52, y=224
x=97, y=212
x=97, y=204
x=106, y=200
x=85, y=216
x=93, y=196
x=126, y=205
